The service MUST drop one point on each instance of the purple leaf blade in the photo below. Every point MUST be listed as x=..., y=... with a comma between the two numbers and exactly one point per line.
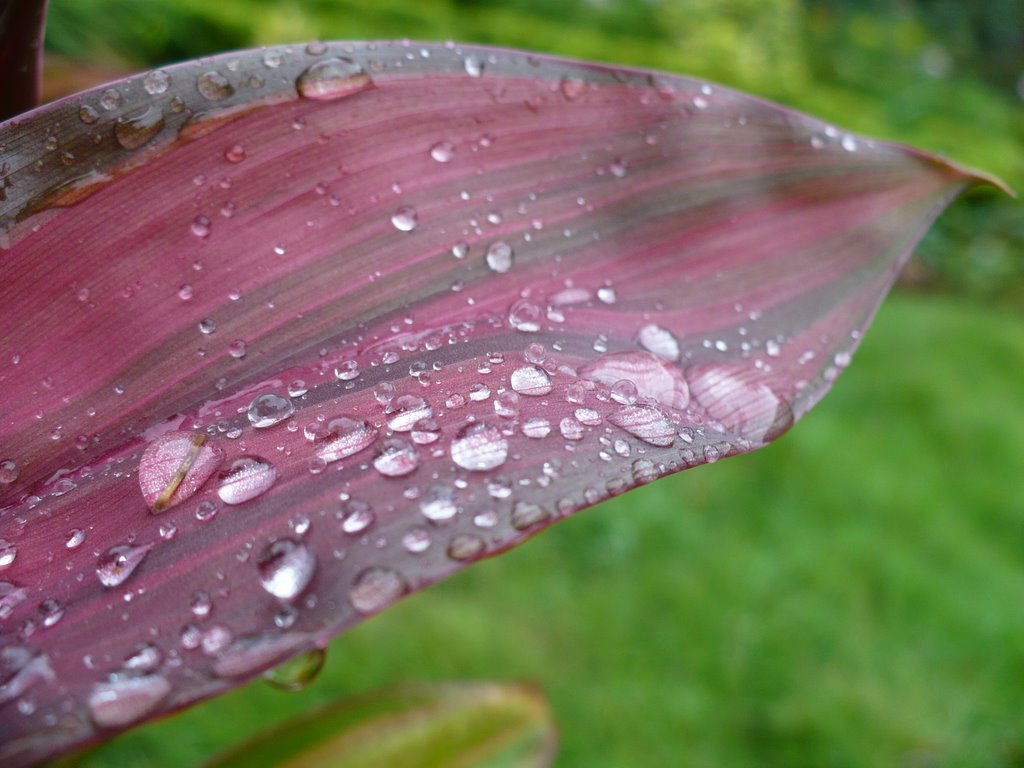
x=274, y=360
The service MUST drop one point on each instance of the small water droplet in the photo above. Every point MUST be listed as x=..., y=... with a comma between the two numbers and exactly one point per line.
x=479, y=447
x=333, y=79
x=286, y=567
x=207, y=326
x=443, y=152
x=375, y=589
x=416, y=540
x=245, y=478
x=396, y=458
x=272, y=59
x=213, y=86
x=526, y=514
x=237, y=349
x=88, y=115
x=618, y=168
x=269, y=409
x=144, y=658
x=200, y=228
x=659, y=341
x=404, y=219
x=156, y=82
x=465, y=546
x=110, y=99
x=525, y=316
x=356, y=517
x=9, y=472
x=342, y=437
x=75, y=538
x=124, y=700
x=536, y=427
x=119, y=562
x=474, y=66
x=438, y=503
x=572, y=88
x=235, y=153
x=298, y=672
x=135, y=130
x=499, y=256
x=570, y=429
x=405, y=411
x=531, y=380
x=606, y=295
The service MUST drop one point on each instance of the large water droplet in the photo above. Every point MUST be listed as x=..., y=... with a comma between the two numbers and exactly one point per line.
x=645, y=422
x=479, y=447
x=659, y=341
x=652, y=377
x=269, y=409
x=156, y=82
x=135, y=130
x=11, y=596
x=119, y=562
x=174, y=466
x=342, y=437
x=286, y=567
x=732, y=395
x=214, y=86
x=537, y=427
x=404, y=411
x=375, y=589
x=297, y=672
x=525, y=316
x=245, y=478
x=531, y=380
x=20, y=669
x=333, y=79
x=465, y=546
x=499, y=256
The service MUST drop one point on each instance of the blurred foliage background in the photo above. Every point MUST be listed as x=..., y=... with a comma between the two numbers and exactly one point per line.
x=848, y=597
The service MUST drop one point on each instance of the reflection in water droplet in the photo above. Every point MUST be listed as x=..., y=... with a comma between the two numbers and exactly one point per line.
x=269, y=409
x=245, y=478
x=214, y=86
x=333, y=79
x=297, y=672
x=499, y=256
x=405, y=219
x=286, y=567
x=645, y=422
x=135, y=130
x=124, y=700
x=525, y=316
x=343, y=437
x=396, y=458
x=119, y=562
x=375, y=589
x=479, y=447
x=474, y=66
x=531, y=380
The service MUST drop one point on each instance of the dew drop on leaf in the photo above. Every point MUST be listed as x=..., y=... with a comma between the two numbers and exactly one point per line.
x=286, y=567
x=405, y=219
x=213, y=86
x=499, y=256
x=119, y=562
x=269, y=409
x=333, y=79
x=396, y=457
x=344, y=436
x=297, y=672
x=375, y=589
x=245, y=478
x=124, y=700
x=479, y=447
x=135, y=130
x=531, y=380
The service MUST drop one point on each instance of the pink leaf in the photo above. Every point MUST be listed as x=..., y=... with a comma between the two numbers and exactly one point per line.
x=291, y=333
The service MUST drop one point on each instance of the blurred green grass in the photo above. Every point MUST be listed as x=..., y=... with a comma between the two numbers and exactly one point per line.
x=849, y=596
